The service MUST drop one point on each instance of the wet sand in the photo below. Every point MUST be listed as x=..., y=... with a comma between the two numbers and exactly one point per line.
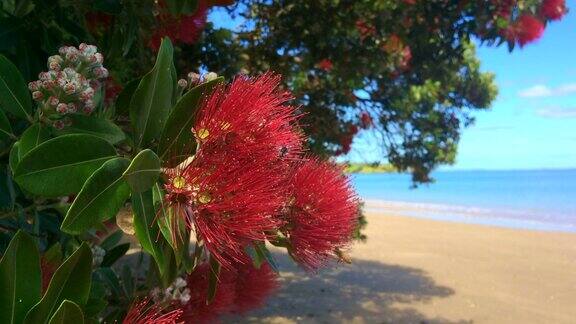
x=423, y=271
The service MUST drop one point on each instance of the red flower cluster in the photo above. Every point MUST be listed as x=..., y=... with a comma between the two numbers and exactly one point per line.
x=365, y=29
x=525, y=30
x=365, y=120
x=240, y=289
x=326, y=65
x=553, y=9
x=322, y=213
x=185, y=29
x=528, y=27
x=145, y=312
x=244, y=180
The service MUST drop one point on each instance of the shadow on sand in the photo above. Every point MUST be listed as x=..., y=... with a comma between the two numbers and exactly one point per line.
x=364, y=292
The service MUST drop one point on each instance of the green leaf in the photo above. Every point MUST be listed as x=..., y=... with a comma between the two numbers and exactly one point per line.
x=143, y=171
x=146, y=228
x=14, y=157
x=61, y=165
x=102, y=196
x=213, y=279
x=123, y=101
x=103, y=128
x=112, y=239
x=32, y=137
x=151, y=102
x=68, y=312
x=14, y=95
x=177, y=141
x=5, y=128
x=263, y=253
x=20, y=281
x=71, y=281
x=114, y=254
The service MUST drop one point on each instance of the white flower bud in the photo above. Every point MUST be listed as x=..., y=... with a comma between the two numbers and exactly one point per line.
x=182, y=83
x=72, y=108
x=53, y=101
x=210, y=76
x=58, y=124
x=62, y=108
x=99, y=58
x=69, y=88
x=33, y=86
x=37, y=95
x=101, y=72
x=193, y=77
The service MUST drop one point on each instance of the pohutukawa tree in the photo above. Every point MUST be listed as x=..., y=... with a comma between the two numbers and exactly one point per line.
x=148, y=149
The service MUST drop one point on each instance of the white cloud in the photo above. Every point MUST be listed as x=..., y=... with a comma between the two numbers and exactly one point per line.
x=557, y=112
x=541, y=90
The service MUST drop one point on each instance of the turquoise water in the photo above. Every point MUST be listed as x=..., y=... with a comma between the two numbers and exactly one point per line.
x=529, y=199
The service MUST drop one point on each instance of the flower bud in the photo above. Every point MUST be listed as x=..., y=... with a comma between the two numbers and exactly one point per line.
x=194, y=78
x=53, y=101
x=33, y=86
x=69, y=88
x=37, y=95
x=71, y=108
x=210, y=76
x=54, y=66
x=182, y=83
x=58, y=124
x=62, y=108
x=99, y=58
x=101, y=72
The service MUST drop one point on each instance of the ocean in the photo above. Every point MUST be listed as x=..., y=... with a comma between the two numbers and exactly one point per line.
x=527, y=199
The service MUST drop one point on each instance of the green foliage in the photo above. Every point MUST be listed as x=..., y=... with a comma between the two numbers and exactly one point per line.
x=19, y=279
x=143, y=171
x=60, y=166
x=68, y=312
x=70, y=282
x=14, y=95
x=103, y=194
x=103, y=128
x=152, y=100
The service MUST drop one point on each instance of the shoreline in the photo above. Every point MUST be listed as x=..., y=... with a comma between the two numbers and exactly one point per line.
x=414, y=270
x=511, y=219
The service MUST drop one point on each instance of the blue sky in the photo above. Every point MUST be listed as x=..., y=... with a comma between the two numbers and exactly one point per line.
x=532, y=123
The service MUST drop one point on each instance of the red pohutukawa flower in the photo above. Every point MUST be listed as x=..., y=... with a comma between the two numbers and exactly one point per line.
x=184, y=29
x=525, y=30
x=146, y=312
x=253, y=286
x=326, y=65
x=240, y=289
x=197, y=310
x=321, y=212
x=230, y=191
x=553, y=9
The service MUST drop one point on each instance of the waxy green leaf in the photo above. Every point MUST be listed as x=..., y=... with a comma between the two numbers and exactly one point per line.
x=5, y=128
x=146, y=228
x=61, y=165
x=152, y=100
x=143, y=171
x=102, y=196
x=103, y=128
x=31, y=138
x=14, y=95
x=20, y=282
x=71, y=281
x=68, y=313
x=177, y=141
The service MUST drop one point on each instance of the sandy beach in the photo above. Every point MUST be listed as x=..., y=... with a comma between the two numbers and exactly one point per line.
x=422, y=271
